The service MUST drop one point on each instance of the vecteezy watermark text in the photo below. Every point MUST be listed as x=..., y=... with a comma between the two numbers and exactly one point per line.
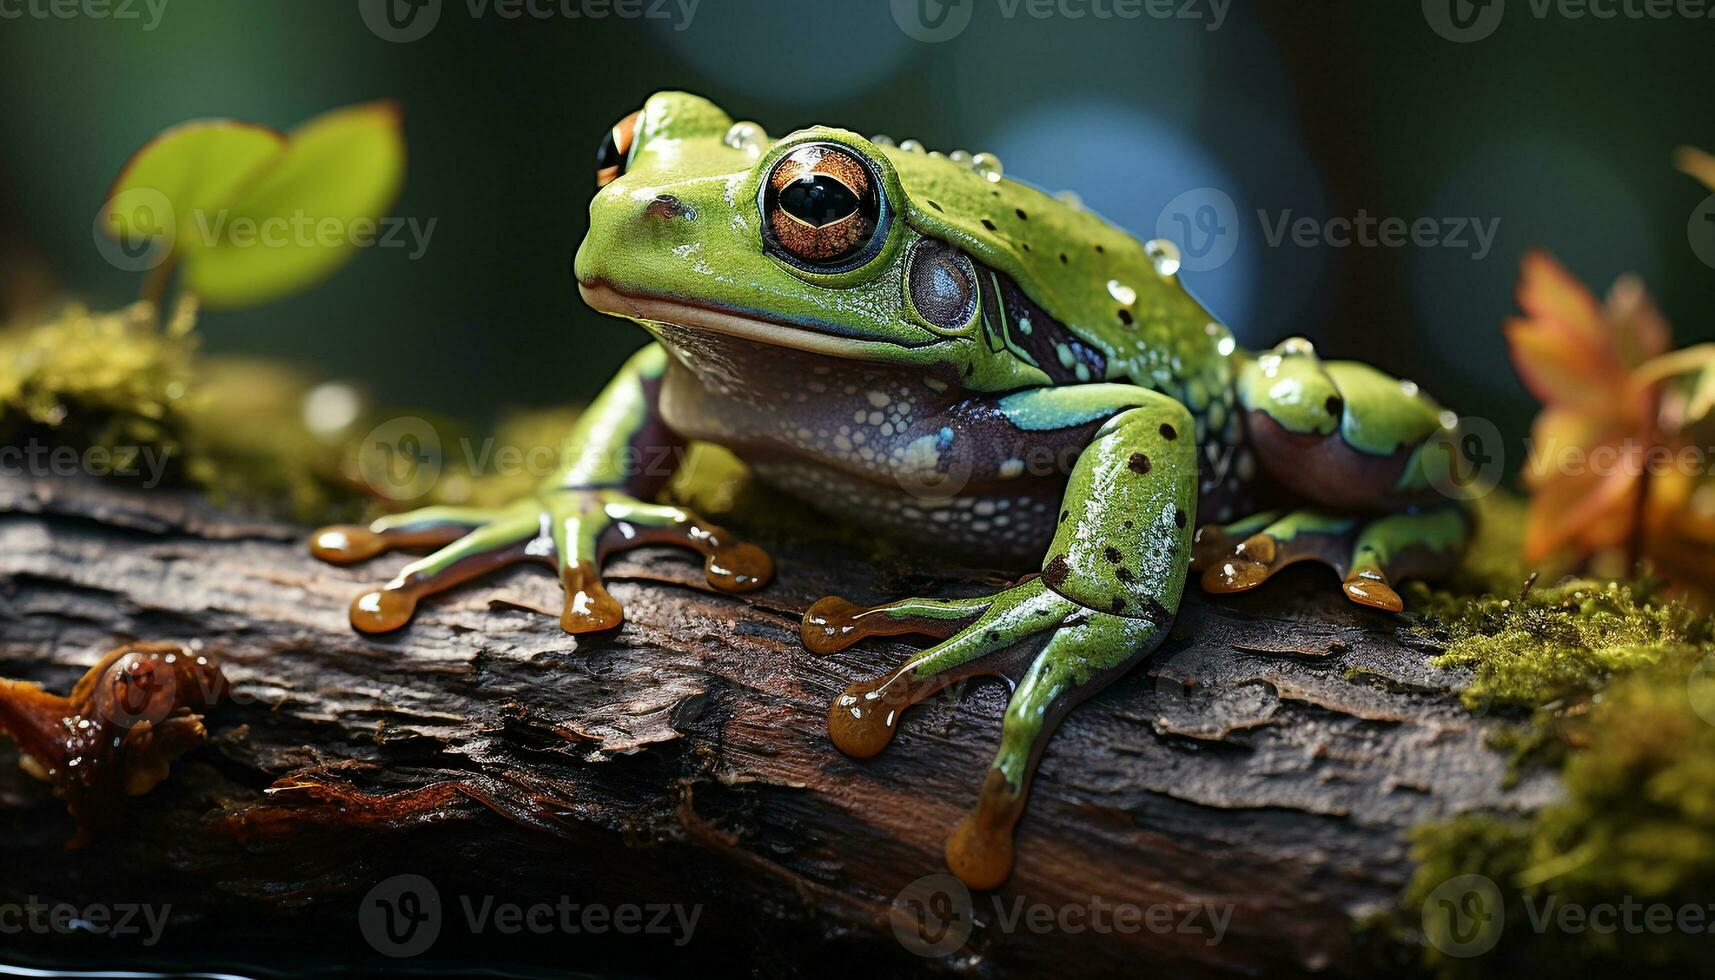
x=933, y=21
x=934, y=915
x=34, y=458
x=403, y=21
x=1464, y=21
x=138, y=228
x=1205, y=225
x=401, y=917
x=149, y=12
x=122, y=919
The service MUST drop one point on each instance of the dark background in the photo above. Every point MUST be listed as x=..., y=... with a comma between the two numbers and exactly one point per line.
x=1561, y=128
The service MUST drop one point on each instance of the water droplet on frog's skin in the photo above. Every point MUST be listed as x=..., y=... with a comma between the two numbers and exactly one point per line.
x=747, y=136
x=960, y=156
x=1164, y=254
x=1296, y=347
x=911, y=146
x=1070, y=199
x=882, y=139
x=1122, y=294
x=988, y=165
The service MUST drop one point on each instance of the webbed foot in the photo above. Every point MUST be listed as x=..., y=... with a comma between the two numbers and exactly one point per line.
x=573, y=530
x=1370, y=554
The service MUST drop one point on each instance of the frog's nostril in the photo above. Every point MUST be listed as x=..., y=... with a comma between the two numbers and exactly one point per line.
x=668, y=206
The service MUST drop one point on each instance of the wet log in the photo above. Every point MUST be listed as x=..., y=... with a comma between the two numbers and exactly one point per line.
x=482, y=789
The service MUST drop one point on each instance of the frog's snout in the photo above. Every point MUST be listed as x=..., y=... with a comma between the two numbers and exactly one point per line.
x=668, y=206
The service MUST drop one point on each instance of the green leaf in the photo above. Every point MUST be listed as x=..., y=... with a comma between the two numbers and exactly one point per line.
x=185, y=170
x=301, y=215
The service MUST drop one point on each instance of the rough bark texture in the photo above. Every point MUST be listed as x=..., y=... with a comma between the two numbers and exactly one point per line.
x=1269, y=760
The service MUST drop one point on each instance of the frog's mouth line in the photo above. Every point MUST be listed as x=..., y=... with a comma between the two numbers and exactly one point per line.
x=777, y=333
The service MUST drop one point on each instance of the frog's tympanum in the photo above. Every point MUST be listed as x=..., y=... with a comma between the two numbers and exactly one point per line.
x=914, y=343
x=118, y=731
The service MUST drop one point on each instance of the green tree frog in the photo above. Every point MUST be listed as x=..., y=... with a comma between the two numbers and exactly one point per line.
x=916, y=343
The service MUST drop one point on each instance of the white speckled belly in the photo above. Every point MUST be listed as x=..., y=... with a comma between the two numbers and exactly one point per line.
x=870, y=444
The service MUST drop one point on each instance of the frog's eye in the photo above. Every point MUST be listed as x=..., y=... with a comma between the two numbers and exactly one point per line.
x=821, y=206
x=615, y=148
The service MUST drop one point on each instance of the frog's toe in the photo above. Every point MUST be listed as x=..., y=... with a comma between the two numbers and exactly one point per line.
x=429, y=527
x=1246, y=554
x=862, y=719
x=979, y=850
x=729, y=564
x=1369, y=554
x=832, y=623
x=1370, y=587
x=589, y=608
x=1418, y=544
x=499, y=543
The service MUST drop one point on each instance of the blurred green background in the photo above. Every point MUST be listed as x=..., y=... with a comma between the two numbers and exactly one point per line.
x=1560, y=128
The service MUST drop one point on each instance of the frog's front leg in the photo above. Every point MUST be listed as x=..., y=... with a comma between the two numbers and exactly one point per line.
x=616, y=458
x=1107, y=593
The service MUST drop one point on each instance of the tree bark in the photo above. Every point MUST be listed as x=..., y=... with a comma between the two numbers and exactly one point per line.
x=1250, y=789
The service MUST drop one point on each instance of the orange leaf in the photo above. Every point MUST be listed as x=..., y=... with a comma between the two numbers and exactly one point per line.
x=1559, y=369
x=1590, y=509
x=1547, y=291
x=1640, y=331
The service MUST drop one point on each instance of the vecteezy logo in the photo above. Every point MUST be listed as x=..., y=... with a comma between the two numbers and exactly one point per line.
x=1204, y=223
x=400, y=21
x=932, y=21
x=401, y=916
x=1464, y=916
x=1464, y=21
x=1701, y=231
x=400, y=459
x=134, y=229
x=1463, y=460
x=933, y=915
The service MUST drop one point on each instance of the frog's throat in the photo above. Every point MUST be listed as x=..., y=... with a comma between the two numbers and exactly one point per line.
x=795, y=336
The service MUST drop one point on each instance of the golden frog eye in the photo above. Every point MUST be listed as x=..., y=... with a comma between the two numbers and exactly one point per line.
x=615, y=147
x=821, y=205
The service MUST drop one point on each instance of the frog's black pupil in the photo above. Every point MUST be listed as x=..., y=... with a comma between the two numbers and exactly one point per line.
x=818, y=199
x=607, y=154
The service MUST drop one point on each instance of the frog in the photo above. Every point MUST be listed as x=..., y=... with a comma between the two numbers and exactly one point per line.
x=923, y=347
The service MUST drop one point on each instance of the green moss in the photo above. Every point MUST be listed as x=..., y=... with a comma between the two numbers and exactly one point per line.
x=1614, y=686
x=1621, y=873
x=129, y=395
x=1558, y=642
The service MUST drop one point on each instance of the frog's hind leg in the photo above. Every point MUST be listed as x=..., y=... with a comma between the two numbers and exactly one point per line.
x=1088, y=651
x=1369, y=554
x=1107, y=592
